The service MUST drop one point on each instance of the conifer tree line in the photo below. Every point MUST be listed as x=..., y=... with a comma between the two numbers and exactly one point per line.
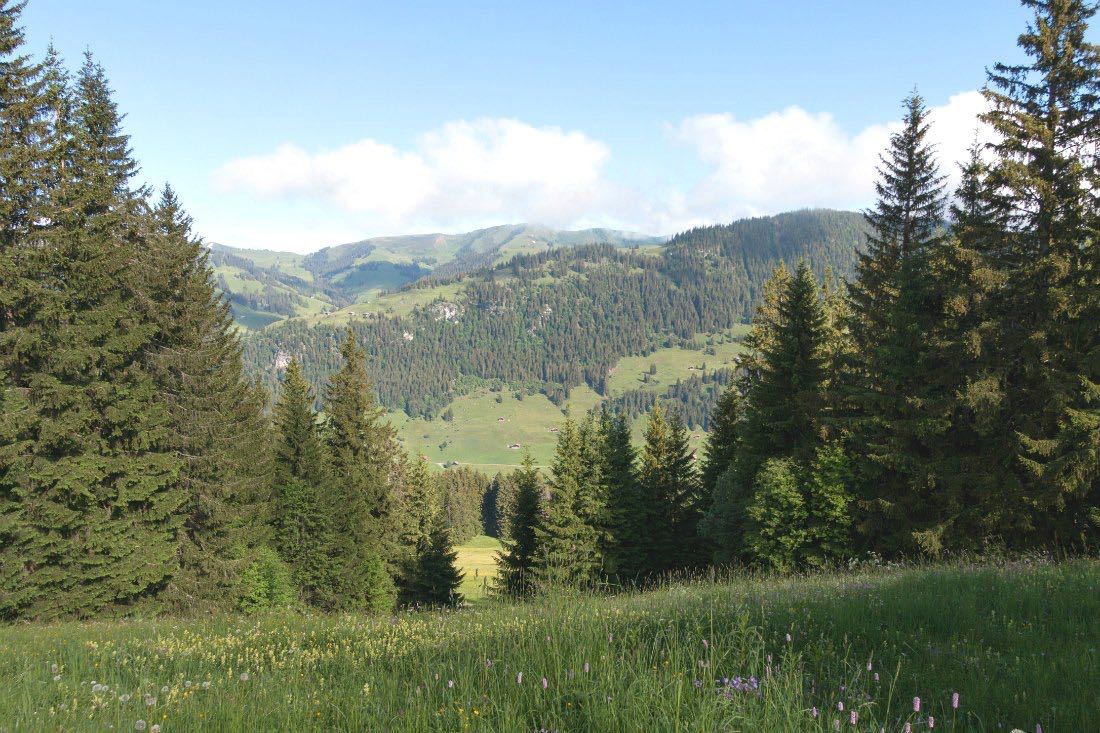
x=945, y=399
x=139, y=469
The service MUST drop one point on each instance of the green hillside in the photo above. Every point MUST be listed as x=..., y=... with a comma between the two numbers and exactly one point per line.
x=553, y=321
x=265, y=286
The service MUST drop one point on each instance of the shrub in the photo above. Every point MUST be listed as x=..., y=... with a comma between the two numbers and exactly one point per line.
x=266, y=583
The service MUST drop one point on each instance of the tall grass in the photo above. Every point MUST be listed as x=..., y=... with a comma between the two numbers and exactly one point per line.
x=1018, y=643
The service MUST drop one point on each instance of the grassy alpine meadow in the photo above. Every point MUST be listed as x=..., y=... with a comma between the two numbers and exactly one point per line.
x=950, y=647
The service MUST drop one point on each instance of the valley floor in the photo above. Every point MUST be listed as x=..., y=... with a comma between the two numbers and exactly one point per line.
x=1017, y=642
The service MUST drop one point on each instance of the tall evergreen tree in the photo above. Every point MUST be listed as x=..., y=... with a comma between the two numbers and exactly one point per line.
x=723, y=439
x=24, y=132
x=90, y=500
x=436, y=579
x=1043, y=183
x=568, y=547
x=361, y=502
x=303, y=528
x=764, y=320
x=670, y=491
x=784, y=413
x=220, y=432
x=895, y=305
x=627, y=511
x=517, y=562
x=418, y=506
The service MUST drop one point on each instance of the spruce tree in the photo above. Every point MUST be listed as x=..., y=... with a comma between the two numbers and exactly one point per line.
x=895, y=306
x=628, y=533
x=419, y=505
x=360, y=498
x=784, y=414
x=303, y=529
x=437, y=577
x=652, y=484
x=1042, y=355
x=764, y=320
x=683, y=500
x=723, y=439
x=24, y=132
x=91, y=501
x=567, y=546
x=220, y=432
x=517, y=562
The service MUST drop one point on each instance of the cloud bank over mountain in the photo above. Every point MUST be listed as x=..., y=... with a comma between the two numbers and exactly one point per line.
x=470, y=174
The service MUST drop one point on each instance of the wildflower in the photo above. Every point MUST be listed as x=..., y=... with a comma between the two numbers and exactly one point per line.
x=907, y=728
x=868, y=665
x=57, y=678
x=139, y=725
x=698, y=684
x=954, y=701
x=706, y=644
x=931, y=722
x=155, y=728
x=519, y=678
x=150, y=700
x=788, y=638
x=206, y=685
x=244, y=676
x=545, y=683
x=1038, y=728
x=840, y=706
x=876, y=676
x=450, y=684
x=53, y=668
x=813, y=711
x=488, y=663
x=916, y=704
x=125, y=698
x=163, y=690
x=853, y=717
x=586, y=667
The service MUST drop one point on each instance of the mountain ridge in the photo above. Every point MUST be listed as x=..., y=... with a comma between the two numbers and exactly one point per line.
x=266, y=286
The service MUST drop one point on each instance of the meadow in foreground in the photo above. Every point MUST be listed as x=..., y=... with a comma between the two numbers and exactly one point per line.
x=938, y=648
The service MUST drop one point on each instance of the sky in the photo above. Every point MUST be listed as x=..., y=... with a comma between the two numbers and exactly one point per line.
x=296, y=125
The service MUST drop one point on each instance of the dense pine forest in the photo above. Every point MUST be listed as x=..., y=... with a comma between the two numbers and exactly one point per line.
x=559, y=319
x=919, y=381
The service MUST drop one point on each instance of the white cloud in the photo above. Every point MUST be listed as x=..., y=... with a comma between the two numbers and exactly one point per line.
x=463, y=174
x=794, y=159
x=468, y=174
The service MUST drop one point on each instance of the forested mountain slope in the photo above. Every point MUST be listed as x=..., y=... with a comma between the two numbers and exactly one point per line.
x=264, y=286
x=560, y=318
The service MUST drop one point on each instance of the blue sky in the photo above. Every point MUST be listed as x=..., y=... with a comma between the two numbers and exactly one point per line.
x=295, y=125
